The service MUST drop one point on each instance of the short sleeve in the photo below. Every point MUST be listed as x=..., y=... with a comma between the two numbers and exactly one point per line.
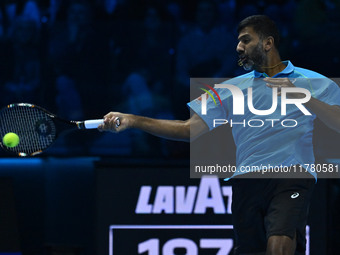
x=214, y=111
x=326, y=91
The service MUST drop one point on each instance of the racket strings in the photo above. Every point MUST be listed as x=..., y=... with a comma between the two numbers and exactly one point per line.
x=34, y=127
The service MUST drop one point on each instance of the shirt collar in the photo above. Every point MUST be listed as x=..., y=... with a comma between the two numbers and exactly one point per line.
x=288, y=70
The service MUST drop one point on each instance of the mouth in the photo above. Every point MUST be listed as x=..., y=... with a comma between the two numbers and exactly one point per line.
x=242, y=59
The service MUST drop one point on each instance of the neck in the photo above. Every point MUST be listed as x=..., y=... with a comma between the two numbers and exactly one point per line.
x=273, y=66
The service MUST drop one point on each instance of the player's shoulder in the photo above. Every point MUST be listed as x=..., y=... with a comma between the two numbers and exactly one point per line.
x=307, y=73
x=316, y=81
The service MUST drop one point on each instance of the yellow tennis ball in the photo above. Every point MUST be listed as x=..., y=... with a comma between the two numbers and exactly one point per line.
x=11, y=140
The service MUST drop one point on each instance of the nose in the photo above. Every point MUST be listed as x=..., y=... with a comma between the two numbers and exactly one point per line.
x=240, y=47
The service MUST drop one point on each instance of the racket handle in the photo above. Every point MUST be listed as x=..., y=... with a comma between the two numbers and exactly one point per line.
x=91, y=124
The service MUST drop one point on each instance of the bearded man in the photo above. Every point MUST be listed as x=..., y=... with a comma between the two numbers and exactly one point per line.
x=269, y=214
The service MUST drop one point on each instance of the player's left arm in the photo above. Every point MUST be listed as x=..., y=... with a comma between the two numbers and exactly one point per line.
x=328, y=114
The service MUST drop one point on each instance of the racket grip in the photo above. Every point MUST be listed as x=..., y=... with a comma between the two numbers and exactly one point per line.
x=91, y=124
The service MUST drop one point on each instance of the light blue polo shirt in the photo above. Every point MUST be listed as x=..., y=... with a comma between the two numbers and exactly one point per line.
x=273, y=143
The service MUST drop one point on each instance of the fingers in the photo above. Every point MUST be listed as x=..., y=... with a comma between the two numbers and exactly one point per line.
x=279, y=82
x=112, y=122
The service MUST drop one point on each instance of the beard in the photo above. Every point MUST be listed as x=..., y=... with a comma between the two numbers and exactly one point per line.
x=256, y=59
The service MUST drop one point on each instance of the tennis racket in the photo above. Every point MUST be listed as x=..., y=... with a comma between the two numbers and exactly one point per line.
x=36, y=127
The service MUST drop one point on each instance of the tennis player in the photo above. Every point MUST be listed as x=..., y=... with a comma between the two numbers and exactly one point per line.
x=269, y=215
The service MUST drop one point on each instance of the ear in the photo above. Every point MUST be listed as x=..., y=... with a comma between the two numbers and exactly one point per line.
x=268, y=43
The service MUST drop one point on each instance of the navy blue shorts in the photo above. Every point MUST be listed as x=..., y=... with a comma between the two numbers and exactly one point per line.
x=265, y=207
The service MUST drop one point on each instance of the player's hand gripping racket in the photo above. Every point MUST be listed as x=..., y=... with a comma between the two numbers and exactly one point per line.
x=36, y=127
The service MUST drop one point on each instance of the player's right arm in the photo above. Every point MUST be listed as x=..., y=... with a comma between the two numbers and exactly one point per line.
x=169, y=129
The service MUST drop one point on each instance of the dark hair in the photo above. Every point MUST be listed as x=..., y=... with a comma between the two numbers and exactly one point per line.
x=263, y=26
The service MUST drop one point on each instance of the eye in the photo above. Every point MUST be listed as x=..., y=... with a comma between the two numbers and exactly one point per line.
x=246, y=41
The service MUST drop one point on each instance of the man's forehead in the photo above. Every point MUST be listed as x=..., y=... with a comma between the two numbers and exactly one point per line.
x=247, y=31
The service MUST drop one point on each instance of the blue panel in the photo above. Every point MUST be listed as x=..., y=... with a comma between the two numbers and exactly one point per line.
x=20, y=162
